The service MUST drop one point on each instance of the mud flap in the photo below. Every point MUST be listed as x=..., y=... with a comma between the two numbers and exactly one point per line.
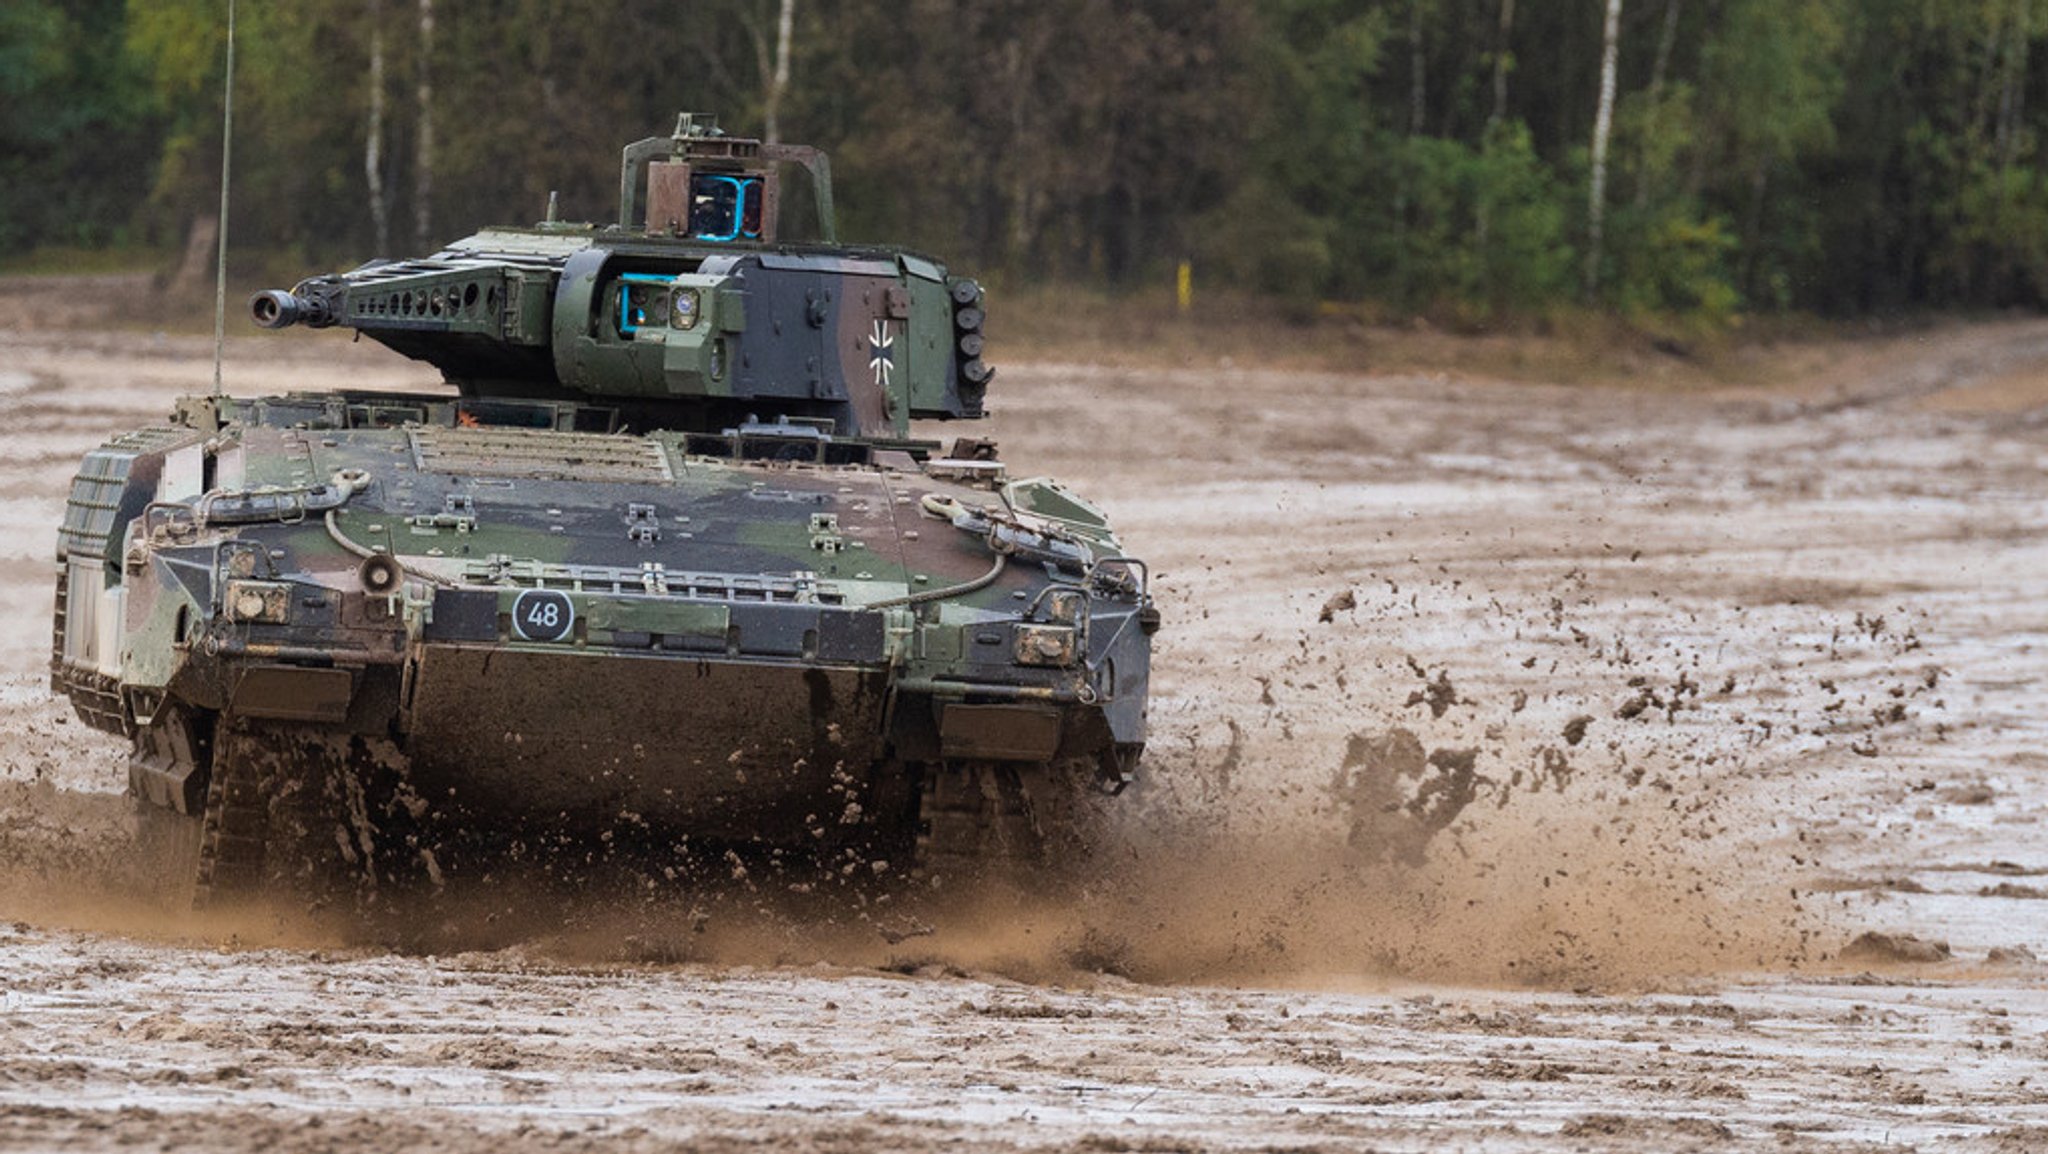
x=999, y=732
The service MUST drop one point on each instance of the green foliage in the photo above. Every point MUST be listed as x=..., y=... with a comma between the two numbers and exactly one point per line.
x=1480, y=228
x=1999, y=222
x=1834, y=155
x=1264, y=240
x=1772, y=77
x=72, y=149
x=1056, y=138
x=1666, y=254
x=1657, y=141
x=1299, y=177
x=180, y=44
x=1670, y=260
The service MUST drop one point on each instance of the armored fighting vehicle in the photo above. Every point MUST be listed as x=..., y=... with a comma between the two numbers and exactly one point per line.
x=665, y=564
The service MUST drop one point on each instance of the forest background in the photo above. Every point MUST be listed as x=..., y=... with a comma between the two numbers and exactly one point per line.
x=1685, y=161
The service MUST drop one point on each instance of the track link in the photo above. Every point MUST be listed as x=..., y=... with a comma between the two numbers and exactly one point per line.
x=235, y=831
x=311, y=811
x=976, y=822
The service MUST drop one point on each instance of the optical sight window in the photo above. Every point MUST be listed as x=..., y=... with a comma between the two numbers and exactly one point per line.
x=643, y=301
x=725, y=208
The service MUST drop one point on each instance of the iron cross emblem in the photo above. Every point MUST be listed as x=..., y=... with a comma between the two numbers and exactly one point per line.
x=881, y=353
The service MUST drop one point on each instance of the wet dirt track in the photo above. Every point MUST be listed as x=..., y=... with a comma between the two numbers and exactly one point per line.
x=1526, y=761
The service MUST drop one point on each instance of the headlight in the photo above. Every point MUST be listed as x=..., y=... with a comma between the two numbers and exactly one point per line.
x=269, y=602
x=684, y=311
x=1045, y=645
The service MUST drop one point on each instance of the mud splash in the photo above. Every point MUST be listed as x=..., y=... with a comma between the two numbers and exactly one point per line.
x=1518, y=686
x=1615, y=690
x=1573, y=812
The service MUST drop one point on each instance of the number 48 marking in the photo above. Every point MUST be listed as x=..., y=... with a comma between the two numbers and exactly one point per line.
x=543, y=615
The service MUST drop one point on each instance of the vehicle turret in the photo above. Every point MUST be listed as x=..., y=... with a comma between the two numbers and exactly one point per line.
x=691, y=312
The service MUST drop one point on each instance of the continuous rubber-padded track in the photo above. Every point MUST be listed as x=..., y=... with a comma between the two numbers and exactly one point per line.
x=312, y=810
x=976, y=821
x=235, y=831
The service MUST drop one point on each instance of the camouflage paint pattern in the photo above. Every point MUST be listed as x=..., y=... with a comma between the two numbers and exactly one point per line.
x=691, y=573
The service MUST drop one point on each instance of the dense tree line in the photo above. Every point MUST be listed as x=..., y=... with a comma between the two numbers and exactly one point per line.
x=1692, y=157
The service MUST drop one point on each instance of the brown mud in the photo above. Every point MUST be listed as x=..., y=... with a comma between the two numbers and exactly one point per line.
x=1534, y=768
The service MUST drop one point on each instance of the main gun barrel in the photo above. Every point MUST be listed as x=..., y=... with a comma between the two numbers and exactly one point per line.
x=278, y=309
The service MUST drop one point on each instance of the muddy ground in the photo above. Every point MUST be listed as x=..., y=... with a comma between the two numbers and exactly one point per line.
x=1529, y=765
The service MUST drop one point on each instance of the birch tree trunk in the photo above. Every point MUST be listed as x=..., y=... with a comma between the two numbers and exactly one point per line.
x=373, y=143
x=1603, y=126
x=1023, y=194
x=778, y=82
x=1667, y=40
x=423, y=163
x=1501, y=57
x=1483, y=226
x=2010, y=104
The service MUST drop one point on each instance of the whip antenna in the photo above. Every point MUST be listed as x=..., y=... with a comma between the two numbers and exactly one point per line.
x=220, y=272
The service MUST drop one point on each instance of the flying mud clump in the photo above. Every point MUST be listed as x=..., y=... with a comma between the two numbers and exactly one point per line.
x=1446, y=772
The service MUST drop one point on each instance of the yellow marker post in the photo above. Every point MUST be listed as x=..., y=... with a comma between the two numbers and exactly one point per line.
x=1184, y=286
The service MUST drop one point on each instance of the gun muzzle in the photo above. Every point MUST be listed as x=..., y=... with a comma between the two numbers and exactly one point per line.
x=278, y=309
